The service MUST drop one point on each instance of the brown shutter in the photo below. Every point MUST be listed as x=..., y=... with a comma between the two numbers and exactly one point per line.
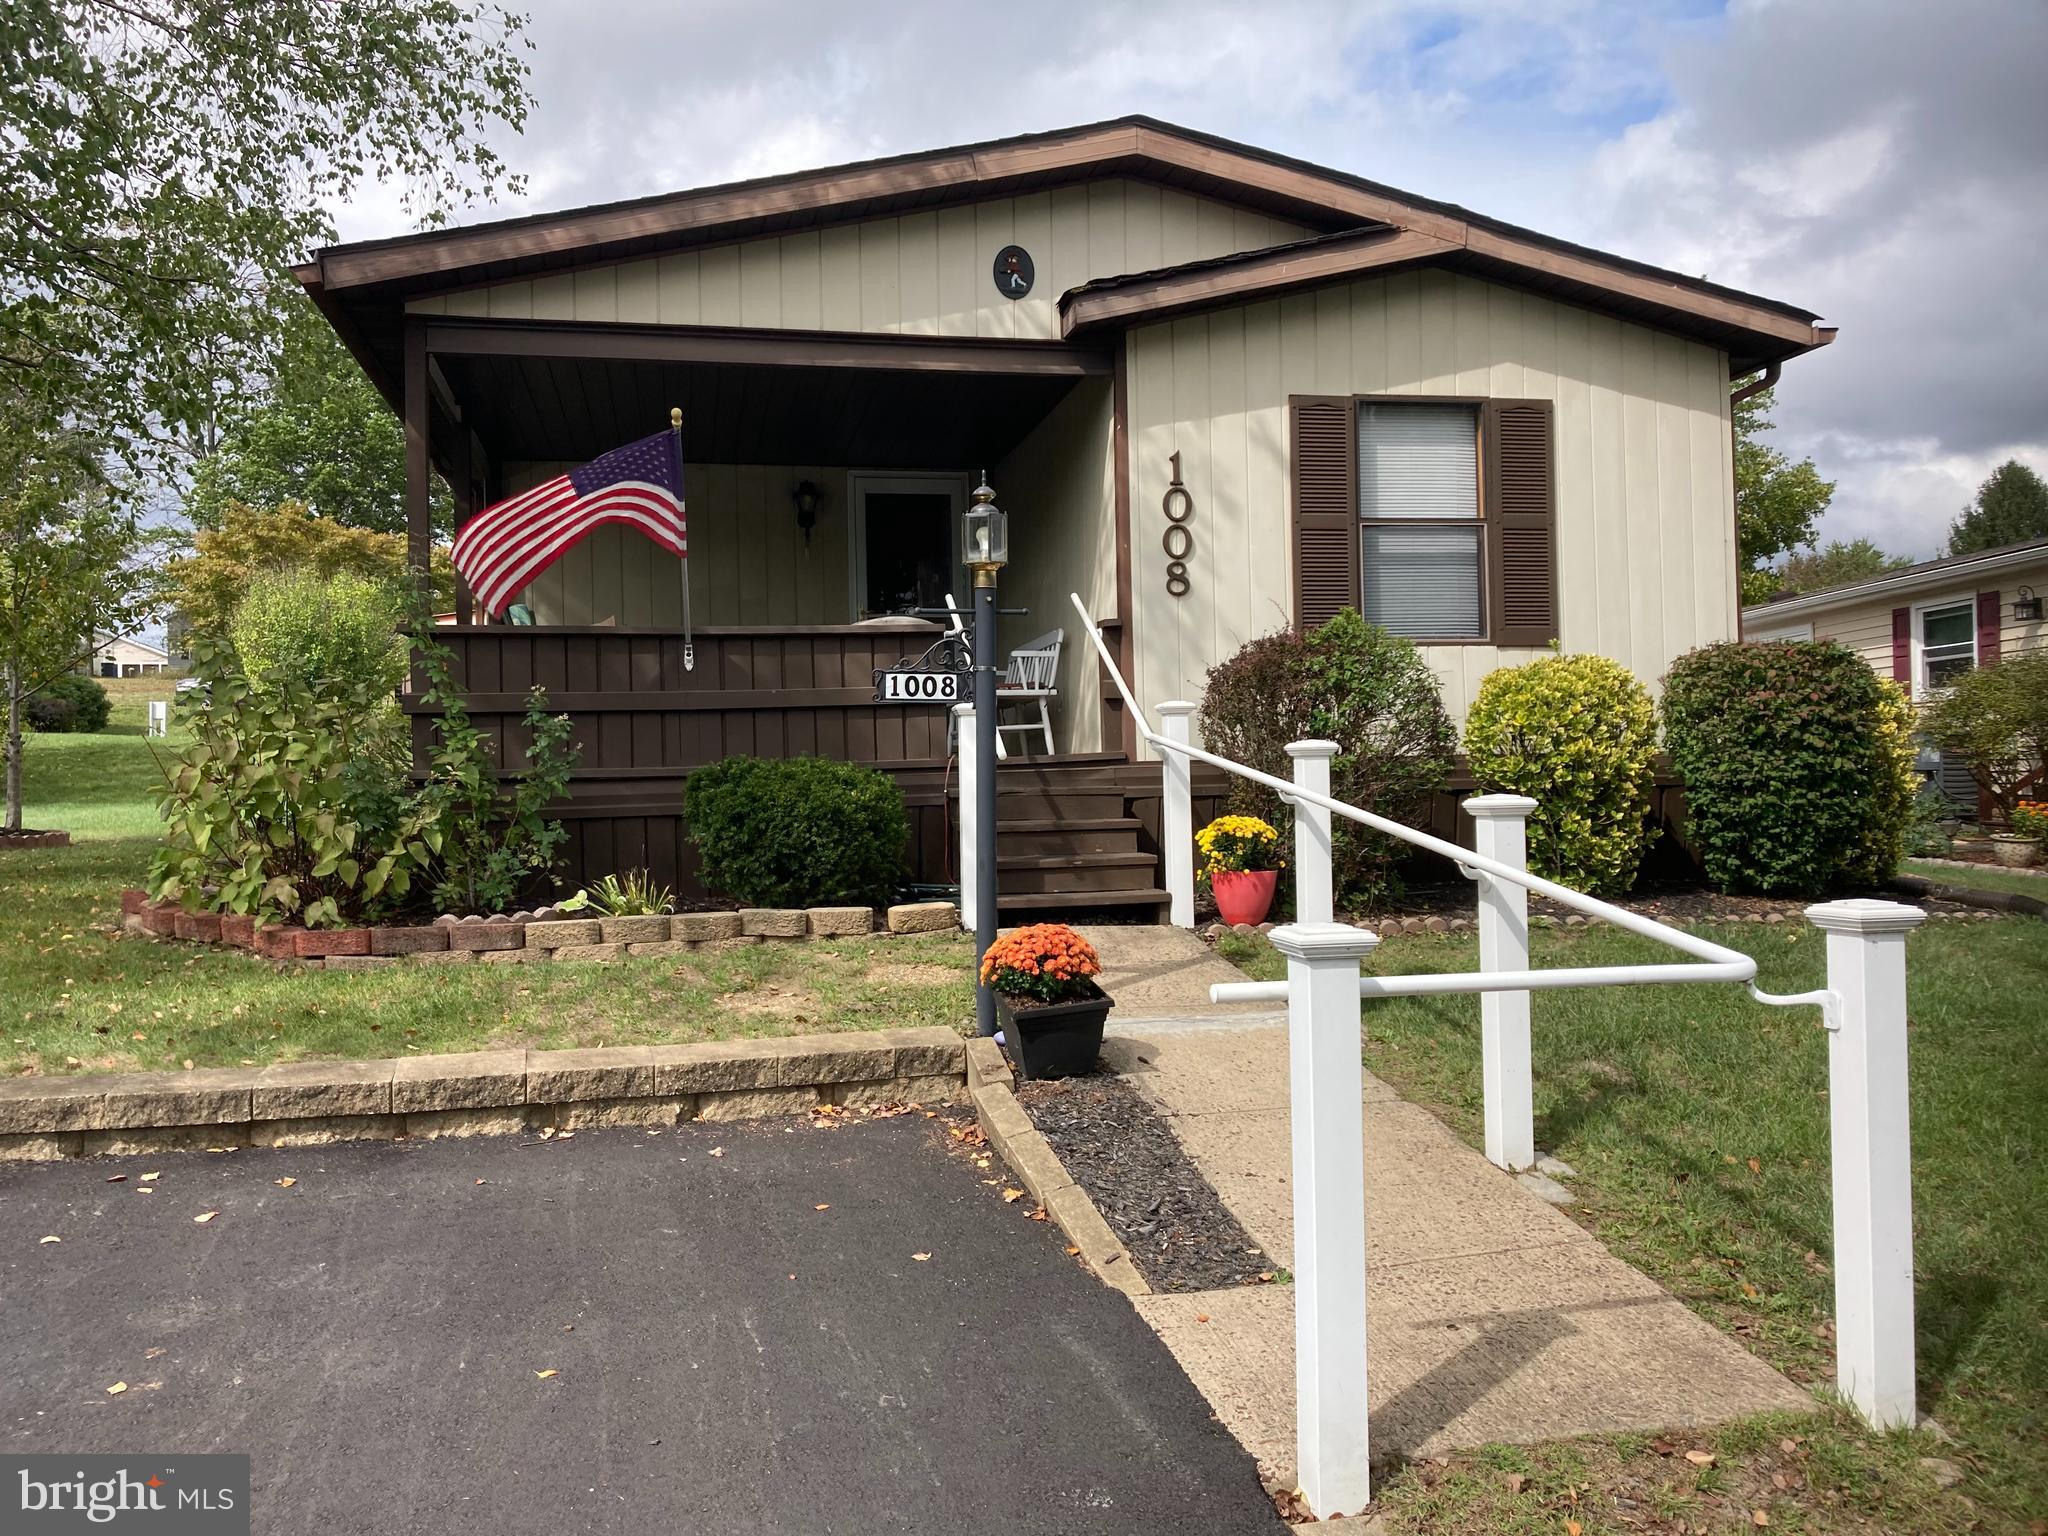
x=1521, y=522
x=1902, y=648
x=1323, y=467
x=1987, y=629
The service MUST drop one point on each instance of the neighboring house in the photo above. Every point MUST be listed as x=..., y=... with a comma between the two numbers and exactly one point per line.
x=1924, y=625
x=127, y=657
x=1220, y=392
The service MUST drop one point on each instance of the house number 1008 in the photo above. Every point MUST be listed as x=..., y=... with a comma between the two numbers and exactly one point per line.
x=1178, y=540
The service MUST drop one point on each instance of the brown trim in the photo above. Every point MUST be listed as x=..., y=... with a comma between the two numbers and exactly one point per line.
x=623, y=701
x=1260, y=275
x=1322, y=506
x=419, y=526
x=1120, y=448
x=462, y=482
x=1518, y=505
x=1990, y=611
x=720, y=344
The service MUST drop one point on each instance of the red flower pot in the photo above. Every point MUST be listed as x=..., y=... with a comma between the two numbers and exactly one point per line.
x=1243, y=896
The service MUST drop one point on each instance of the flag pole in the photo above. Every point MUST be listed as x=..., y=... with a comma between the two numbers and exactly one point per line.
x=675, y=423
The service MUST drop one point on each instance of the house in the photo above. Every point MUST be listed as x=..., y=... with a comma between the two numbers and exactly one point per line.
x=126, y=656
x=1220, y=391
x=1922, y=625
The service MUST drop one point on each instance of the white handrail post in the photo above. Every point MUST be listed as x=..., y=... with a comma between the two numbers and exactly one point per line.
x=1325, y=1098
x=963, y=734
x=1869, y=1115
x=1500, y=832
x=1314, y=894
x=1177, y=814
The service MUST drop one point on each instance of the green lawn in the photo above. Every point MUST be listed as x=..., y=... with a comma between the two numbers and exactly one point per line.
x=1979, y=877
x=75, y=995
x=1698, y=1123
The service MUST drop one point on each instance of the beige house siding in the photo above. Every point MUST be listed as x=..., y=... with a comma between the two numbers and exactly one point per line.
x=1866, y=627
x=1645, y=503
x=1059, y=488
x=916, y=274
x=748, y=563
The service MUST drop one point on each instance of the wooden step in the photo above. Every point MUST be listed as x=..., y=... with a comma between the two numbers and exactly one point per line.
x=1076, y=872
x=1041, y=803
x=1151, y=902
x=1099, y=834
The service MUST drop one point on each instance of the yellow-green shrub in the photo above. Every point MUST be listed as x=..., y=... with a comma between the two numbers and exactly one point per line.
x=1578, y=734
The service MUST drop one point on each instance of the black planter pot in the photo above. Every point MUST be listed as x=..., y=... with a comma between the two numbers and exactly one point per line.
x=1053, y=1039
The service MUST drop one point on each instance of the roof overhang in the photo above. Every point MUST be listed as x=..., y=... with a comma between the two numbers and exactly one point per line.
x=1914, y=579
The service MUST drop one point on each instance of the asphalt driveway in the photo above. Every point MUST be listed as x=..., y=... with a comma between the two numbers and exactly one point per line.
x=726, y=1355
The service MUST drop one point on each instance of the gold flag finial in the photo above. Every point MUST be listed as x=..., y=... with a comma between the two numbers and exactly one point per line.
x=675, y=417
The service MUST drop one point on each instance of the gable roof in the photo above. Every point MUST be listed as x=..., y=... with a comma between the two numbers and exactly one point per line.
x=1905, y=581
x=363, y=286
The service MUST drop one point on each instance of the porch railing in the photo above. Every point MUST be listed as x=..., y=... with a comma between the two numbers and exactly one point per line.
x=1863, y=1008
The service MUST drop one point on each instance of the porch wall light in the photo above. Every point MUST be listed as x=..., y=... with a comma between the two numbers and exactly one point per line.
x=2026, y=607
x=806, y=497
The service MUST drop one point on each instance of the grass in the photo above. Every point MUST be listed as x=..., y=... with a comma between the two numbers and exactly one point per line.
x=77, y=996
x=1698, y=1123
x=1979, y=877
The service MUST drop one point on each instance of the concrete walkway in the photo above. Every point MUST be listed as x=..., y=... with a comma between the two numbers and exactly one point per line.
x=1493, y=1316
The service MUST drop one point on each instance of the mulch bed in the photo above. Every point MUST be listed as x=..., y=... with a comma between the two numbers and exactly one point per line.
x=1126, y=1156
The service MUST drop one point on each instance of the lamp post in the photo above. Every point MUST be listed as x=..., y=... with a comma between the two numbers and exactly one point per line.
x=985, y=541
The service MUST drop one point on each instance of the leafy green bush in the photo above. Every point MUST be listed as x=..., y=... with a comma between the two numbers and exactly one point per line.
x=1579, y=734
x=304, y=623
x=1352, y=683
x=69, y=703
x=1797, y=761
x=798, y=831
x=1996, y=720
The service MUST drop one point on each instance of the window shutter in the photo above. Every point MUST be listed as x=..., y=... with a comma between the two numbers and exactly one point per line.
x=1902, y=648
x=1521, y=521
x=1323, y=465
x=1987, y=629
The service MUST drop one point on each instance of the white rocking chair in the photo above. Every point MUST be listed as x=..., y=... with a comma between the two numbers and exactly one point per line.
x=1030, y=677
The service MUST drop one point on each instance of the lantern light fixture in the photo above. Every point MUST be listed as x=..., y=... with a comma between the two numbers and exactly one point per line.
x=985, y=535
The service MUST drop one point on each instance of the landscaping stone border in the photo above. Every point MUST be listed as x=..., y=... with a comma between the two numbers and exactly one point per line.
x=527, y=936
x=28, y=837
x=1038, y=1168
x=313, y=1103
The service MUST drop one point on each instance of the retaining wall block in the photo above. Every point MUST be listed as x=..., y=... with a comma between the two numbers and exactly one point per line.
x=564, y=933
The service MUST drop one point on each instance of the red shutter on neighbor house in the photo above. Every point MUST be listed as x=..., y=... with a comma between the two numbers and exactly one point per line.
x=1323, y=465
x=1987, y=629
x=1521, y=521
x=1902, y=647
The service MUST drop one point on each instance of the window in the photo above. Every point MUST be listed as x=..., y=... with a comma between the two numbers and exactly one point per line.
x=1947, y=635
x=1419, y=532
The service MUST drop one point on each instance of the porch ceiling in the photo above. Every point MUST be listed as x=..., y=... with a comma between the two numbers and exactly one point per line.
x=572, y=409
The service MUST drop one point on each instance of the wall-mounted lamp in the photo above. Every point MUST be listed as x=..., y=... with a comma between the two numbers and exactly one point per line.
x=806, y=498
x=2026, y=608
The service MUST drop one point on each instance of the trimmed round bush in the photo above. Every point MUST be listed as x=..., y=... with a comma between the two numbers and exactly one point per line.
x=797, y=831
x=340, y=626
x=69, y=703
x=1797, y=761
x=1352, y=683
x=1579, y=735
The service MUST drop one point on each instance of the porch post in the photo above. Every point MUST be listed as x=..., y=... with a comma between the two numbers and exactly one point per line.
x=1500, y=831
x=419, y=469
x=465, y=504
x=1176, y=816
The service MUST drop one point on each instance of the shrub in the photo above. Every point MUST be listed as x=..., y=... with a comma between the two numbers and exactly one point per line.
x=1996, y=720
x=69, y=703
x=1579, y=734
x=1047, y=962
x=798, y=831
x=1352, y=683
x=633, y=894
x=1238, y=843
x=311, y=624
x=1797, y=761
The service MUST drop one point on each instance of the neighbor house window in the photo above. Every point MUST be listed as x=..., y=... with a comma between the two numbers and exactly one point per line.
x=1948, y=642
x=1420, y=535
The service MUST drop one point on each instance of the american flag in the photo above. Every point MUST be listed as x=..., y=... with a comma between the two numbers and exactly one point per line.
x=502, y=548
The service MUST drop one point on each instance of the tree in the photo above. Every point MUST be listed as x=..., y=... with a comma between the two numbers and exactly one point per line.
x=1777, y=502
x=1836, y=564
x=2011, y=507
x=69, y=571
x=164, y=160
x=206, y=586
x=319, y=435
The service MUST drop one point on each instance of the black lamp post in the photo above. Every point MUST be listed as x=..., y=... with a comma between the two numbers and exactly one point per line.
x=985, y=543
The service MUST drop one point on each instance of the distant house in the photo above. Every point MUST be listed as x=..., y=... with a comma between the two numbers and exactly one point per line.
x=1925, y=625
x=1220, y=391
x=126, y=656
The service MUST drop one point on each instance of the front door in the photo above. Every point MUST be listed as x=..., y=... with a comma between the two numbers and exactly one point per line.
x=905, y=530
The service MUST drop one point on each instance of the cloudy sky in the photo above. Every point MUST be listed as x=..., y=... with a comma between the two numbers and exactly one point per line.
x=1884, y=162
